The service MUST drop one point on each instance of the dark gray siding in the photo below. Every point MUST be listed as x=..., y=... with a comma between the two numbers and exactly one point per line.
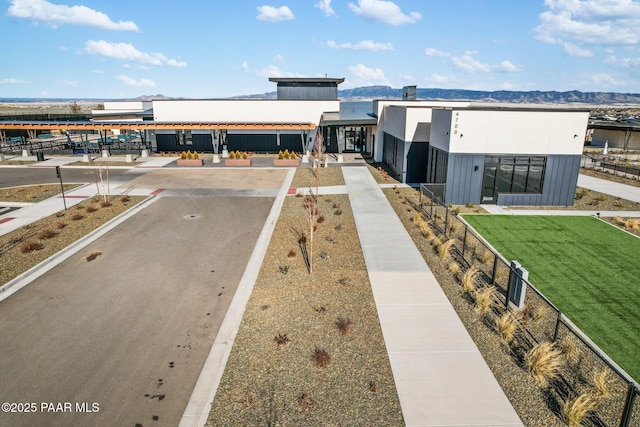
x=393, y=155
x=320, y=91
x=417, y=162
x=559, y=188
x=464, y=182
x=263, y=143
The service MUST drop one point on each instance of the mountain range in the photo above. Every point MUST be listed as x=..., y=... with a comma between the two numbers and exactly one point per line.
x=368, y=93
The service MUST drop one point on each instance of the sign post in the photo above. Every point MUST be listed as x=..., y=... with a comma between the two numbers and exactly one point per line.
x=61, y=187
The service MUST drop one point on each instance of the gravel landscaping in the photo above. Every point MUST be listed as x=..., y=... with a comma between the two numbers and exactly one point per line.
x=310, y=350
x=32, y=193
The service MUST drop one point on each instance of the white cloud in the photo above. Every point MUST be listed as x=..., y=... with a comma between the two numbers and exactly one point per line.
x=55, y=15
x=573, y=50
x=573, y=23
x=604, y=79
x=273, y=14
x=245, y=66
x=406, y=77
x=95, y=71
x=325, y=7
x=435, y=52
x=70, y=83
x=274, y=71
x=363, y=73
x=438, y=79
x=384, y=11
x=128, y=52
x=507, y=67
x=143, y=67
x=279, y=59
x=12, y=81
x=64, y=48
x=136, y=83
x=369, y=45
x=632, y=64
x=467, y=63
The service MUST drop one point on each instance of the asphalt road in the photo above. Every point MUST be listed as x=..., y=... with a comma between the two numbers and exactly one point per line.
x=126, y=335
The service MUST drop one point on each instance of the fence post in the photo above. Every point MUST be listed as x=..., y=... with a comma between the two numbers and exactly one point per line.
x=446, y=222
x=628, y=406
x=557, y=331
x=495, y=270
x=464, y=240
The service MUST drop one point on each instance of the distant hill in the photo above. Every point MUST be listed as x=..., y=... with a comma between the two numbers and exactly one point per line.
x=534, y=97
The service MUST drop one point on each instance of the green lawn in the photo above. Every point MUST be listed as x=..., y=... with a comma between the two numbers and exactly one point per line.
x=588, y=269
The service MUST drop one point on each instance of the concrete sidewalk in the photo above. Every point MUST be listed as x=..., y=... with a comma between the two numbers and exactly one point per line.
x=440, y=375
x=627, y=192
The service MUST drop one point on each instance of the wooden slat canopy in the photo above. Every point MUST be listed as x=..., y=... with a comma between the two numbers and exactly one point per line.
x=43, y=125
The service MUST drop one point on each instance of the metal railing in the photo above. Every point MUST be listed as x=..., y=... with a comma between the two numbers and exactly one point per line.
x=540, y=319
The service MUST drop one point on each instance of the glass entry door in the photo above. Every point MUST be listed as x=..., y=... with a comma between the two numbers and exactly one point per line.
x=489, y=184
x=350, y=140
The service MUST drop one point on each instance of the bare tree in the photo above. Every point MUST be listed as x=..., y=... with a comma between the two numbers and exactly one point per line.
x=318, y=151
x=75, y=108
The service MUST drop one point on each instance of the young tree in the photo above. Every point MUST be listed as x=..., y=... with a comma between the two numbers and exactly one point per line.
x=318, y=150
x=75, y=108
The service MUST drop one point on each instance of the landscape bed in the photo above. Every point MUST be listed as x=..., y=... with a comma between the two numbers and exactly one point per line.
x=586, y=267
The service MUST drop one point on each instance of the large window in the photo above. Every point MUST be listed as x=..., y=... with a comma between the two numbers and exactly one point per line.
x=518, y=174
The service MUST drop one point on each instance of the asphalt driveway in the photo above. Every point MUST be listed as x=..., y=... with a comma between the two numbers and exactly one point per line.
x=125, y=336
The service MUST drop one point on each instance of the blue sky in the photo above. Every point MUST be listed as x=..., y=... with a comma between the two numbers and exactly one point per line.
x=210, y=49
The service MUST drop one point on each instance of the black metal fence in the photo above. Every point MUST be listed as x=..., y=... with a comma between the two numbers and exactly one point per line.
x=540, y=319
x=607, y=164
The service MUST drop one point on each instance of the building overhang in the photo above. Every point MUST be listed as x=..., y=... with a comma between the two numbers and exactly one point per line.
x=108, y=125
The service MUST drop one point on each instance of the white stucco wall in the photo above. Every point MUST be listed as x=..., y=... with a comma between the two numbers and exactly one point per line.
x=509, y=132
x=242, y=111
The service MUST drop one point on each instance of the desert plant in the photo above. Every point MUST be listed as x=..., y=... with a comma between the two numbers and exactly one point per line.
x=337, y=212
x=632, y=224
x=321, y=358
x=125, y=198
x=320, y=219
x=469, y=280
x=344, y=281
x=543, y=362
x=539, y=313
x=569, y=348
x=286, y=153
x=426, y=230
x=576, y=410
x=232, y=155
x=618, y=220
x=305, y=402
x=280, y=155
x=281, y=340
x=444, y=248
x=601, y=388
x=245, y=155
x=283, y=269
x=105, y=203
x=345, y=325
x=60, y=225
x=507, y=326
x=189, y=154
x=90, y=209
x=417, y=218
x=46, y=233
x=487, y=257
x=469, y=205
x=76, y=216
x=30, y=246
x=183, y=155
x=484, y=300
x=291, y=253
x=454, y=268
x=196, y=155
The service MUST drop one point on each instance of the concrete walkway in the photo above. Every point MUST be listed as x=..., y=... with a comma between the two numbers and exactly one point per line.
x=441, y=377
x=627, y=192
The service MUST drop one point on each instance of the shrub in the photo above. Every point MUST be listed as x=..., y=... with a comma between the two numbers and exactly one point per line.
x=60, y=225
x=539, y=313
x=576, y=410
x=46, y=234
x=245, y=155
x=30, y=246
x=291, y=254
x=487, y=257
x=601, y=388
x=632, y=224
x=280, y=155
x=569, y=348
x=444, y=249
x=454, y=268
x=484, y=300
x=90, y=209
x=305, y=402
x=618, y=220
x=320, y=219
x=337, y=212
x=286, y=154
x=345, y=325
x=469, y=205
x=417, y=218
x=232, y=155
x=507, y=326
x=469, y=280
x=183, y=155
x=321, y=358
x=281, y=340
x=125, y=198
x=543, y=362
x=189, y=155
x=105, y=203
x=196, y=155
x=76, y=216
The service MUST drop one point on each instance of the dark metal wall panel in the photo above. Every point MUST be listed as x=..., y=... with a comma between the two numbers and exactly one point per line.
x=393, y=155
x=464, y=180
x=202, y=143
x=308, y=93
x=417, y=158
x=168, y=142
x=263, y=143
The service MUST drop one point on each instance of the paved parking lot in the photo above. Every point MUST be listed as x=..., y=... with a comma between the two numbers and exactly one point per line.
x=130, y=330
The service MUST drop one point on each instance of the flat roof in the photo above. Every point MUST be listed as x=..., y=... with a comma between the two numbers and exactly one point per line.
x=337, y=81
x=106, y=125
x=515, y=107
